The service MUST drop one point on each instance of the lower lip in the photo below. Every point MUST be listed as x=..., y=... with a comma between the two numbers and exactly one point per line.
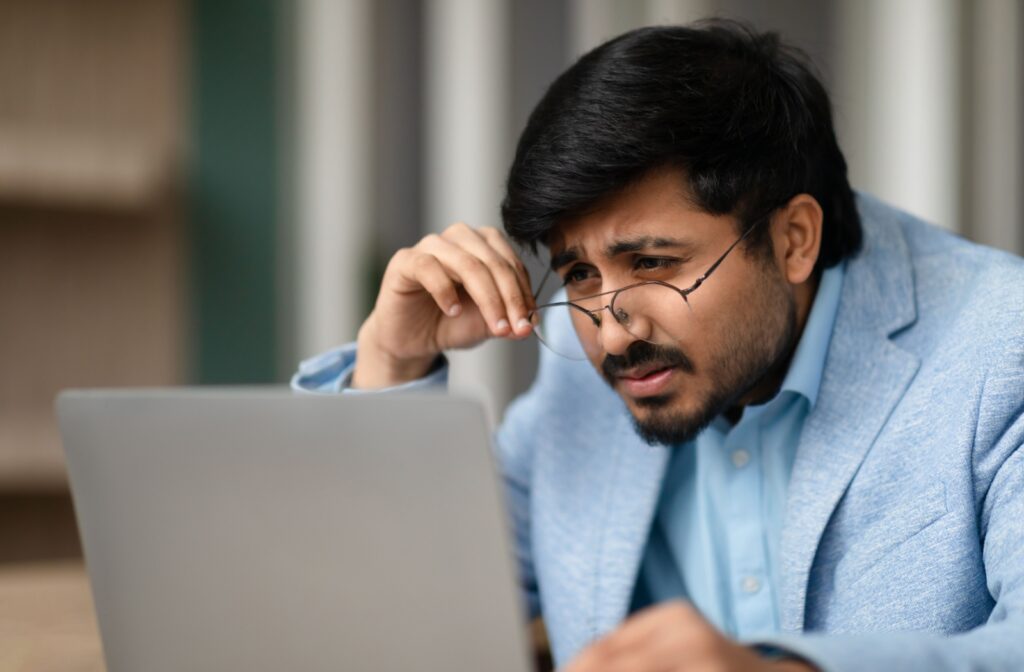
x=652, y=384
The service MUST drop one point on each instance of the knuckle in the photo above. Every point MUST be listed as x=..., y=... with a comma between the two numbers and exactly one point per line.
x=507, y=273
x=423, y=261
x=472, y=264
x=401, y=260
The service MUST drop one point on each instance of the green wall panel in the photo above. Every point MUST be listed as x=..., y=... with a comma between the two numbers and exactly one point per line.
x=233, y=190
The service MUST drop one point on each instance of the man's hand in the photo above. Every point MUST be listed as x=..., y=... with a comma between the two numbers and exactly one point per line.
x=450, y=290
x=672, y=637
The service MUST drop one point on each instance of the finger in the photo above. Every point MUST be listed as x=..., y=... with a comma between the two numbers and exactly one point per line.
x=476, y=279
x=428, y=272
x=653, y=618
x=666, y=637
x=671, y=622
x=599, y=657
x=505, y=273
x=501, y=244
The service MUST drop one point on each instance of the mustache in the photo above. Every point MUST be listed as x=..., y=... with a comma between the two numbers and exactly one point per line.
x=642, y=353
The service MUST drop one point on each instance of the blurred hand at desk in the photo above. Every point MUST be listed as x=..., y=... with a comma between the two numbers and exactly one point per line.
x=673, y=637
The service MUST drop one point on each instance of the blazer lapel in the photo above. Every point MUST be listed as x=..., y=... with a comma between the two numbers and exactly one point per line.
x=633, y=496
x=865, y=376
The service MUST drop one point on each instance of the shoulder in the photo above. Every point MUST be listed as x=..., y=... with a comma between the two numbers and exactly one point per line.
x=968, y=331
x=937, y=254
x=962, y=290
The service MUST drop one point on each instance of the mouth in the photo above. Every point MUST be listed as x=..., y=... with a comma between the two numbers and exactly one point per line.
x=646, y=382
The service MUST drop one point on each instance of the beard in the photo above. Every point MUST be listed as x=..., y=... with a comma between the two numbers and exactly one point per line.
x=750, y=353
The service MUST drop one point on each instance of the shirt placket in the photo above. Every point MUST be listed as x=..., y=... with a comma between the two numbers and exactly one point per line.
x=749, y=578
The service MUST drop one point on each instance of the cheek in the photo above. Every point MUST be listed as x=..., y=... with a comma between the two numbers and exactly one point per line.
x=724, y=304
x=708, y=334
x=696, y=326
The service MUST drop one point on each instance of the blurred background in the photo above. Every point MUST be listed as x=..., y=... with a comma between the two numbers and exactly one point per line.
x=206, y=191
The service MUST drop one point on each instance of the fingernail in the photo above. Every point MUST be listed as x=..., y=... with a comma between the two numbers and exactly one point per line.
x=523, y=324
x=502, y=325
x=455, y=309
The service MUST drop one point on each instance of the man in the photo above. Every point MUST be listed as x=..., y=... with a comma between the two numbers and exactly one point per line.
x=794, y=441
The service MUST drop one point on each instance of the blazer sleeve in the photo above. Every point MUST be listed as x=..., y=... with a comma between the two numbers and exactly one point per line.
x=331, y=373
x=998, y=471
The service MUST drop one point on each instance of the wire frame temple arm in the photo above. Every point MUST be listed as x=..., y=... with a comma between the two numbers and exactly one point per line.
x=700, y=281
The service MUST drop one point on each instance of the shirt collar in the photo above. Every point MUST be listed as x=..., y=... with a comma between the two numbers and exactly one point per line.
x=808, y=364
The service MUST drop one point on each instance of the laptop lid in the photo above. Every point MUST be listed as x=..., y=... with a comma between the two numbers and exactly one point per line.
x=265, y=530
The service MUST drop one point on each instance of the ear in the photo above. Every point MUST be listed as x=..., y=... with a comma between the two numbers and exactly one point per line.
x=796, y=233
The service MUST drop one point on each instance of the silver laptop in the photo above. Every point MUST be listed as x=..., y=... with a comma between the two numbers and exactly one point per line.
x=263, y=530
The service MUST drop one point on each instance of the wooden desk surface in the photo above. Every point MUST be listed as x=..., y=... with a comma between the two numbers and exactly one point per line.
x=46, y=619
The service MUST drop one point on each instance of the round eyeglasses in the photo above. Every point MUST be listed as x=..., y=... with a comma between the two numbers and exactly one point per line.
x=641, y=309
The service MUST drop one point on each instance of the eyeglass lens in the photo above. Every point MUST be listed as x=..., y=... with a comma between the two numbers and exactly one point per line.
x=651, y=312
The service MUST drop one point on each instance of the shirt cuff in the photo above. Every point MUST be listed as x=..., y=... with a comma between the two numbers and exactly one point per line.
x=331, y=373
x=774, y=652
x=910, y=651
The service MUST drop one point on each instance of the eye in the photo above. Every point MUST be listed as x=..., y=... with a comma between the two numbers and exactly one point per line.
x=656, y=263
x=578, y=275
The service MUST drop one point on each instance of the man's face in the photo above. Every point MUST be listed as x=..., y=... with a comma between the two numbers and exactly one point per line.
x=690, y=362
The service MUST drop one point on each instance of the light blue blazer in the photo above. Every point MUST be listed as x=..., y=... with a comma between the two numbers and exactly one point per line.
x=903, y=542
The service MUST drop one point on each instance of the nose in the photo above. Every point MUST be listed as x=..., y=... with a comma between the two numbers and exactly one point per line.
x=614, y=337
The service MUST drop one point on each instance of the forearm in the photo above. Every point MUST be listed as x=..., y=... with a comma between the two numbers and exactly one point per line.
x=987, y=648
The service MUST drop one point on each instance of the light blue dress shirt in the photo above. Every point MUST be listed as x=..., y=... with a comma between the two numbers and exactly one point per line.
x=715, y=537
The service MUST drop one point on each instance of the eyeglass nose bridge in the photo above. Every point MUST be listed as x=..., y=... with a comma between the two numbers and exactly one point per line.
x=620, y=315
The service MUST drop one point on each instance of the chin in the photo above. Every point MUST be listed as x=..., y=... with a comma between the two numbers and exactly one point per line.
x=674, y=402
x=653, y=403
x=668, y=420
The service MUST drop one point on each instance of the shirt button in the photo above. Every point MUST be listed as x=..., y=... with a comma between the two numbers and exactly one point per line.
x=750, y=584
x=740, y=458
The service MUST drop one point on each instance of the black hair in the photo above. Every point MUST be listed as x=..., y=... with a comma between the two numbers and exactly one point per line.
x=740, y=113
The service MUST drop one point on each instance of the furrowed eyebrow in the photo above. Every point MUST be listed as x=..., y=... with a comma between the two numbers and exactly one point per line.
x=644, y=243
x=564, y=258
x=572, y=254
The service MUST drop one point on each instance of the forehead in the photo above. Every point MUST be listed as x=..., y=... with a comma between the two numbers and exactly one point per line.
x=655, y=207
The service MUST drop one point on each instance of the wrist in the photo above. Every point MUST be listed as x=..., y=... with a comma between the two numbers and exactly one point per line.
x=376, y=368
